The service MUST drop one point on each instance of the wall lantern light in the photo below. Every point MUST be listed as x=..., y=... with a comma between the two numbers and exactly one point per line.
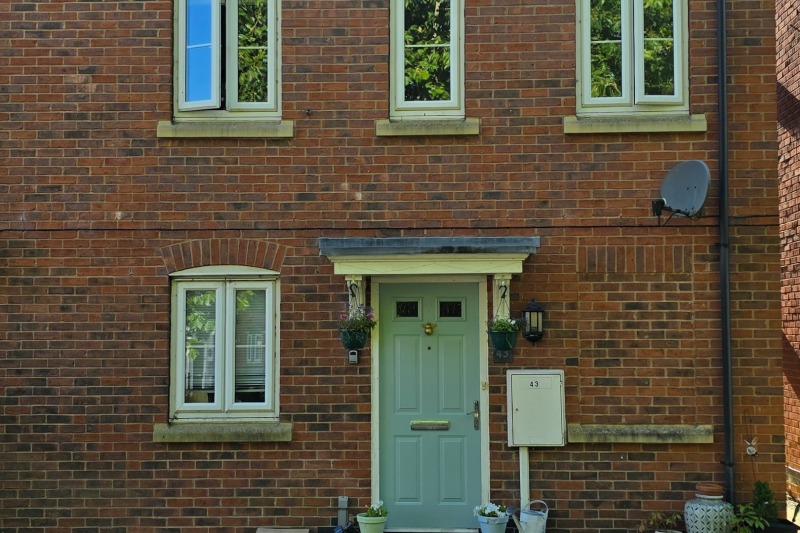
x=533, y=314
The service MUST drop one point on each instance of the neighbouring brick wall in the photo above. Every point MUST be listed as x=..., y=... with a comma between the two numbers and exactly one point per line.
x=97, y=211
x=788, y=60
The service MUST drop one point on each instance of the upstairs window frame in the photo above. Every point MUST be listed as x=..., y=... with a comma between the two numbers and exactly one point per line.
x=190, y=403
x=632, y=83
x=454, y=106
x=221, y=18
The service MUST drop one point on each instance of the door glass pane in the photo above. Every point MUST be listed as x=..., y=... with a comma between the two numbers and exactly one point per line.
x=450, y=309
x=659, y=54
x=200, y=340
x=198, y=50
x=251, y=347
x=606, y=48
x=427, y=50
x=253, y=39
x=407, y=309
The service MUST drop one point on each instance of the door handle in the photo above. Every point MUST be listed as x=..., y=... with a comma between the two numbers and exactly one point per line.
x=476, y=415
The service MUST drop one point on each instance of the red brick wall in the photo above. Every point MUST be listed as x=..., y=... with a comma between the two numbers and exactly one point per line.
x=788, y=58
x=97, y=211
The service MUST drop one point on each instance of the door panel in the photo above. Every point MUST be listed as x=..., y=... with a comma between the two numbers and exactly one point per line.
x=429, y=478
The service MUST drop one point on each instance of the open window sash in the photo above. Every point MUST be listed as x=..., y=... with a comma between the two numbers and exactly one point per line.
x=199, y=55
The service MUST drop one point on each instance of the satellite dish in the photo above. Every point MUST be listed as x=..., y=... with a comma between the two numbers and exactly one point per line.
x=684, y=189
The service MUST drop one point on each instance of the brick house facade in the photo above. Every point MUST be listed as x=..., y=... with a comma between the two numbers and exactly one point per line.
x=788, y=90
x=111, y=195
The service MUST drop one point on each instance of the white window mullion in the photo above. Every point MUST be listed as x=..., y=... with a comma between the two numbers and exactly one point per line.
x=230, y=346
x=198, y=53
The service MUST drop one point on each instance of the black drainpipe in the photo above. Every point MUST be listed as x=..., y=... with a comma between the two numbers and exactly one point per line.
x=724, y=252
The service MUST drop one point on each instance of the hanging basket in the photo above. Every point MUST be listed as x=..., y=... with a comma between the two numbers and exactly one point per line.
x=503, y=340
x=354, y=340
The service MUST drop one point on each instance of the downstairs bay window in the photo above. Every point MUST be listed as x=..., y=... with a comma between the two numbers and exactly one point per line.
x=224, y=346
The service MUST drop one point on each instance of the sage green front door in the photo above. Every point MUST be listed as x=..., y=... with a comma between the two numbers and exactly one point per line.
x=430, y=458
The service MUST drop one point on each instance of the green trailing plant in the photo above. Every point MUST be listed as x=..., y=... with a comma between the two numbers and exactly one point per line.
x=746, y=520
x=764, y=503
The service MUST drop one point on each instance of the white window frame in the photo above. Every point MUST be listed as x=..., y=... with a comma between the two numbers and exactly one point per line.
x=210, y=109
x=225, y=281
x=633, y=98
x=454, y=107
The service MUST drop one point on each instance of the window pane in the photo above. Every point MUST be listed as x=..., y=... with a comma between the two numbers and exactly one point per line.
x=606, y=48
x=253, y=45
x=659, y=57
x=201, y=328
x=198, y=50
x=427, y=50
x=251, y=346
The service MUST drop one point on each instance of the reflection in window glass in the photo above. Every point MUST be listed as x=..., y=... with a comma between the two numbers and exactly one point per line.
x=659, y=54
x=251, y=346
x=200, y=339
x=198, y=50
x=427, y=50
x=606, y=48
x=450, y=309
x=253, y=44
x=407, y=309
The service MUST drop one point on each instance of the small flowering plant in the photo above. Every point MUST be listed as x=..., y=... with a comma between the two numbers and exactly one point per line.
x=376, y=510
x=490, y=509
x=358, y=318
x=505, y=324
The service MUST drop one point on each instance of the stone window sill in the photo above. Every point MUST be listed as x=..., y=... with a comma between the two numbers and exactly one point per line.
x=427, y=127
x=645, y=433
x=638, y=123
x=223, y=432
x=274, y=129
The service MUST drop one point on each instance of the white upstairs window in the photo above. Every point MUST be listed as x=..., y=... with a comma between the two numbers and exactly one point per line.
x=427, y=58
x=632, y=56
x=227, y=56
x=224, y=347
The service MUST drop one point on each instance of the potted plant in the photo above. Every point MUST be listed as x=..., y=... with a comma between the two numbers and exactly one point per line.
x=766, y=508
x=491, y=517
x=503, y=332
x=661, y=522
x=747, y=520
x=374, y=519
x=355, y=325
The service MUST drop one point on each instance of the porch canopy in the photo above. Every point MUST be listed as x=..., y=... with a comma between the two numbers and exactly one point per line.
x=427, y=255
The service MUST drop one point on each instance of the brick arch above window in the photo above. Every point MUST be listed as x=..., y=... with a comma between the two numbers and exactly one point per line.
x=208, y=252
